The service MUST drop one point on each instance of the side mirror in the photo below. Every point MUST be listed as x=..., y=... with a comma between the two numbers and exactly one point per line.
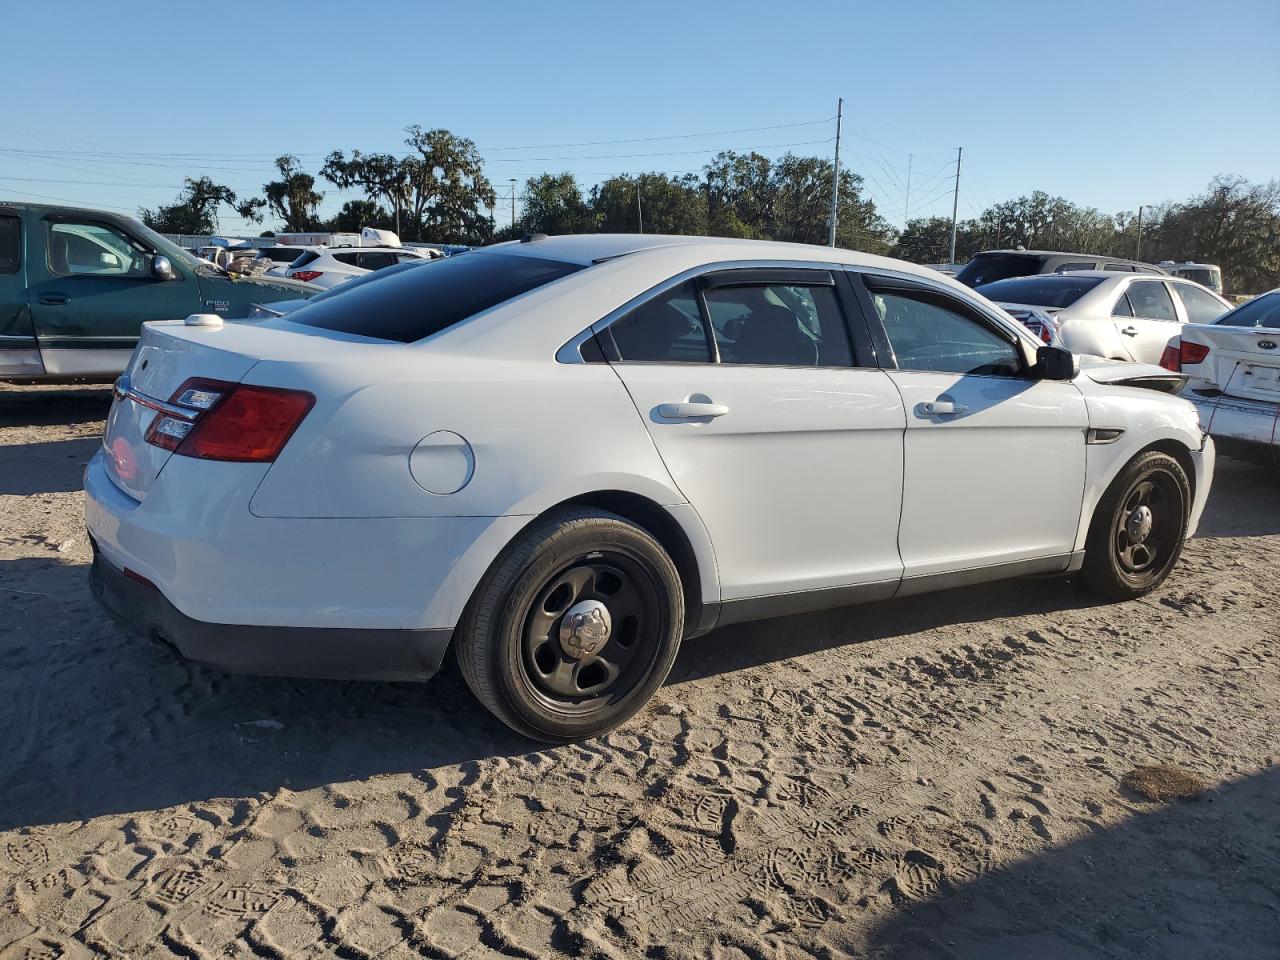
x=161, y=268
x=1056, y=363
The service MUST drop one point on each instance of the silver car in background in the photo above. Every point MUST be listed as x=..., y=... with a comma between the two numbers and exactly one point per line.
x=1120, y=316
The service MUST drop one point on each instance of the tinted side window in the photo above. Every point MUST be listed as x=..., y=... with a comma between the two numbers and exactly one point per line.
x=928, y=336
x=1120, y=267
x=1202, y=306
x=1074, y=265
x=665, y=329
x=350, y=259
x=779, y=324
x=1150, y=300
x=10, y=244
x=376, y=261
x=1122, y=307
x=302, y=259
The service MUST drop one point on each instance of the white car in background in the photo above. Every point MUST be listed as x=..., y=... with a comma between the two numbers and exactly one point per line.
x=1119, y=316
x=563, y=455
x=330, y=266
x=1234, y=366
x=282, y=257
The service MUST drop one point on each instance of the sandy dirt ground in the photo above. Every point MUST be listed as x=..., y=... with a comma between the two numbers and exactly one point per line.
x=933, y=778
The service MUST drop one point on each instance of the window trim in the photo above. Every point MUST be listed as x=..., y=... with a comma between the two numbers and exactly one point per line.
x=861, y=348
x=870, y=278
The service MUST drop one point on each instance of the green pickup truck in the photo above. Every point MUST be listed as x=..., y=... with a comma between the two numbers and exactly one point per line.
x=77, y=285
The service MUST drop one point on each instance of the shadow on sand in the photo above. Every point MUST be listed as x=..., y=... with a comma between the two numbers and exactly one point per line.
x=1181, y=882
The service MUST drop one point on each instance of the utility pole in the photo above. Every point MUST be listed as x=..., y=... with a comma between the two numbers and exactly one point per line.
x=639, y=209
x=835, y=175
x=513, y=203
x=955, y=204
x=1138, y=253
x=906, y=207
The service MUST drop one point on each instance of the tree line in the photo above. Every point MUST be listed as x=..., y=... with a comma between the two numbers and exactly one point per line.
x=437, y=191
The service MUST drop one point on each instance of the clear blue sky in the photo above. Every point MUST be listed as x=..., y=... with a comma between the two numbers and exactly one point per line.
x=1111, y=104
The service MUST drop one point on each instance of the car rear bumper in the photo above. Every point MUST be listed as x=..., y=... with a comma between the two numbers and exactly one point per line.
x=1244, y=429
x=319, y=652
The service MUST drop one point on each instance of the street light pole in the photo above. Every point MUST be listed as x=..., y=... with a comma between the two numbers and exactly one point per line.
x=835, y=176
x=1138, y=253
x=955, y=204
x=513, y=203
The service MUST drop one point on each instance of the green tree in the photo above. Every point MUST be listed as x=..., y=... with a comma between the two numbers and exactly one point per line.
x=554, y=204
x=928, y=240
x=740, y=195
x=356, y=214
x=293, y=198
x=195, y=211
x=802, y=207
x=1234, y=223
x=668, y=204
x=1040, y=221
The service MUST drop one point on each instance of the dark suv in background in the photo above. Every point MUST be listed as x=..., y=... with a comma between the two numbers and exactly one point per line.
x=992, y=265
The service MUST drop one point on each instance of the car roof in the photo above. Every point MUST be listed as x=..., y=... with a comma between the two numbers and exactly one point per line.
x=586, y=249
x=1062, y=253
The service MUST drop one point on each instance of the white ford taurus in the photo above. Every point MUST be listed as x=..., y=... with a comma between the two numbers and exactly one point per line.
x=564, y=455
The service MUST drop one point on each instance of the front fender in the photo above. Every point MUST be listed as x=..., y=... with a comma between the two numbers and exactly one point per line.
x=1148, y=418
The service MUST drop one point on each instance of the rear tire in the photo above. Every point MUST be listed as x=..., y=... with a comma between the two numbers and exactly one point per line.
x=1138, y=528
x=574, y=627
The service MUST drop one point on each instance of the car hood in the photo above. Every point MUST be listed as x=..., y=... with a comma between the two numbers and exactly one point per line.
x=1120, y=373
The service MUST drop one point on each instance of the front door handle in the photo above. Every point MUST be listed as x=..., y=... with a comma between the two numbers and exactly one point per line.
x=53, y=299
x=1130, y=331
x=691, y=411
x=940, y=408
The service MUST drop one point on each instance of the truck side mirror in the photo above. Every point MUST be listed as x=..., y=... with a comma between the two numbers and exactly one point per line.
x=1056, y=363
x=162, y=268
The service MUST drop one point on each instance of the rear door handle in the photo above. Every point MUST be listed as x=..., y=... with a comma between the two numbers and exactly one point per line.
x=53, y=299
x=691, y=411
x=1130, y=331
x=940, y=408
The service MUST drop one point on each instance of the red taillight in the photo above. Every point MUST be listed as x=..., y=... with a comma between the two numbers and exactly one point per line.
x=1192, y=353
x=1170, y=359
x=306, y=276
x=230, y=421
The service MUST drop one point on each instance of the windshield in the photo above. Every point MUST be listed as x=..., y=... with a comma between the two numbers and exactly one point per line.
x=990, y=267
x=1040, y=291
x=413, y=304
x=164, y=245
x=1263, y=311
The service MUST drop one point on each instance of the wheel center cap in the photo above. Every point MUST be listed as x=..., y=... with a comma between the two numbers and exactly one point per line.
x=585, y=629
x=1138, y=525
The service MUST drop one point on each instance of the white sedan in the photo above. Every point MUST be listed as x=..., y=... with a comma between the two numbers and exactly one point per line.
x=563, y=455
x=1121, y=316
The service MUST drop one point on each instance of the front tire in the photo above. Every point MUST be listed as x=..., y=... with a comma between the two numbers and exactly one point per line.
x=574, y=627
x=1138, y=528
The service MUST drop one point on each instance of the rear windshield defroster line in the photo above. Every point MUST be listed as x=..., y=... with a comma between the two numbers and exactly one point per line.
x=414, y=304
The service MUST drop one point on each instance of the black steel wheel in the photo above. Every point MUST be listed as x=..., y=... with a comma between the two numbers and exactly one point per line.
x=1138, y=528
x=575, y=626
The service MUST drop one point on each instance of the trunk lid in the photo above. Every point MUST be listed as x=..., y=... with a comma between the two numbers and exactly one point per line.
x=171, y=352
x=159, y=365
x=1242, y=361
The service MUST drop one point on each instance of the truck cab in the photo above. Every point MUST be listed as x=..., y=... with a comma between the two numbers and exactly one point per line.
x=76, y=285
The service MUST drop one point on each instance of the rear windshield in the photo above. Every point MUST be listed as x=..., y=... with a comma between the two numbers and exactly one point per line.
x=1040, y=291
x=280, y=254
x=1263, y=311
x=414, y=304
x=990, y=267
